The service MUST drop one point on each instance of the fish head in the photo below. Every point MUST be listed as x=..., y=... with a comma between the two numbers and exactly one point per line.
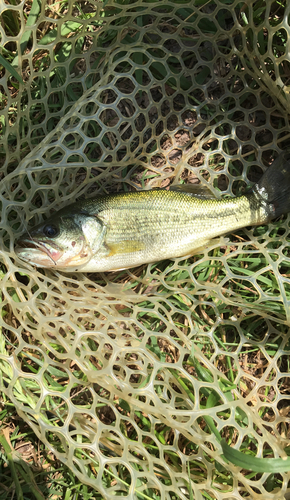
x=64, y=240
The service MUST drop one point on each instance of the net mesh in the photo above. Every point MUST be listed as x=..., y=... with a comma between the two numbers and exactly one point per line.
x=129, y=377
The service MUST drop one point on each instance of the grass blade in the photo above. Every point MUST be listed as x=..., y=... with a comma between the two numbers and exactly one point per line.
x=31, y=20
x=255, y=464
x=10, y=68
x=8, y=453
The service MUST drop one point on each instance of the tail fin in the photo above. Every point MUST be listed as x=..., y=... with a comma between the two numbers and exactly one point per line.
x=274, y=186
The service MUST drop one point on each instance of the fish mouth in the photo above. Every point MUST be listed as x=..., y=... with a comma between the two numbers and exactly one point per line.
x=27, y=244
x=38, y=250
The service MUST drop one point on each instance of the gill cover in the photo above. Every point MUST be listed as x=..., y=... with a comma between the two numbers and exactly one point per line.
x=93, y=231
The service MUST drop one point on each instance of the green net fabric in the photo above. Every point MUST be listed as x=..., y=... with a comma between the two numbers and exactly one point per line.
x=131, y=377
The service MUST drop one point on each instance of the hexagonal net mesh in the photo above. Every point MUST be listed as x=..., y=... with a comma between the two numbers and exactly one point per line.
x=131, y=377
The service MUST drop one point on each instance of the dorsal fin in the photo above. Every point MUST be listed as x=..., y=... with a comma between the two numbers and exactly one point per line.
x=197, y=190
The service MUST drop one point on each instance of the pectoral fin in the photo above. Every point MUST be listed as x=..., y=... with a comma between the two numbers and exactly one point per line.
x=125, y=246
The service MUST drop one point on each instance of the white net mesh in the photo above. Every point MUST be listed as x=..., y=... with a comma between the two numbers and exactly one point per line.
x=130, y=377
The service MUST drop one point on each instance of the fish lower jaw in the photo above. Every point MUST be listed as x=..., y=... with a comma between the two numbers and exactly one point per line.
x=35, y=257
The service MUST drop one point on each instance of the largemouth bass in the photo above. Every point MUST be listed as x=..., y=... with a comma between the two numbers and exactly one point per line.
x=123, y=230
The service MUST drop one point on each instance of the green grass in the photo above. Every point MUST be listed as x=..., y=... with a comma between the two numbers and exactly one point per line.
x=39, y=475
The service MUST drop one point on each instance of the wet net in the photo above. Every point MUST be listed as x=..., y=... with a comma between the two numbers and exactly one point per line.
x=132, y=378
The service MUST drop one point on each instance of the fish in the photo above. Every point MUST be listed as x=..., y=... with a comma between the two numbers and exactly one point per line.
x=118, y=231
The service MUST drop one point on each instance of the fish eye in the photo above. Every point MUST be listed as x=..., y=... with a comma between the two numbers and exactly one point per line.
x=50, y=231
